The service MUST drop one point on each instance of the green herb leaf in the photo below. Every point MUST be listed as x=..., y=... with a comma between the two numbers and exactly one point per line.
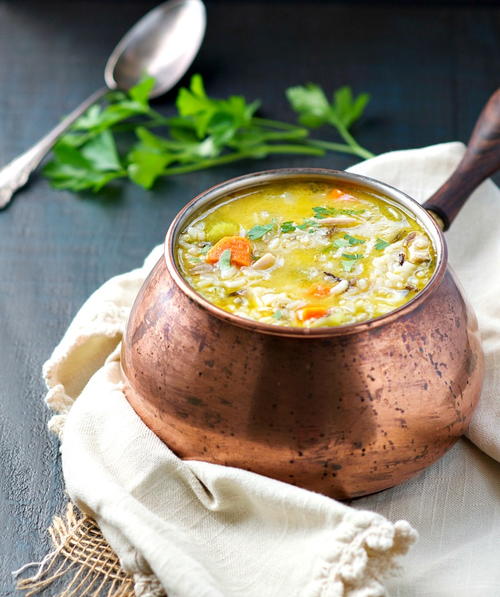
x=258, y=231
x=287, y=227
x=340, y=242
x=311, y=104
x=101, y=152
x=70, y=169
x=321, y=212
x=324, y=212
x=381, y=244
x=141, y=92
x=352, y=256
x=352, y=240
x=308, y=223
x=146, y=166
x=348, y=265
x=346, y=108
x=225, y=260
x=277, y=314
x=349, y=260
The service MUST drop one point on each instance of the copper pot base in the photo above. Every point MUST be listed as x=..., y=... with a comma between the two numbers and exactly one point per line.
x=345, y=416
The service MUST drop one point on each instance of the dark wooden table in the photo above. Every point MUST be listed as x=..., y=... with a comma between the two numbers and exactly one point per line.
x=429, y=69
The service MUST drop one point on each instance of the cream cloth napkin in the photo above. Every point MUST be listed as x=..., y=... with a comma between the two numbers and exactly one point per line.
x=204, y=530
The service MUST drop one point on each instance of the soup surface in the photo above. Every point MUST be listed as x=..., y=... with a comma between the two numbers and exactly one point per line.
x=306, y=254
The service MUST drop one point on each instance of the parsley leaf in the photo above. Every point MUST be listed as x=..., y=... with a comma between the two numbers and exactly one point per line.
x=340, y=242
x=349, y=260
x=225, y=260
x=321, y=212
x=352, y=240
x=258, y=231
x=352, y=255
x=347, y=265
x=278, y=314
x=381, y=244
x=308, y=223
x=324, y=212
x=71, y=169
x=287, y=227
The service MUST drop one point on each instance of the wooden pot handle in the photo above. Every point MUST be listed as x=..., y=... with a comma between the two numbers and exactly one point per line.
x=481, y=160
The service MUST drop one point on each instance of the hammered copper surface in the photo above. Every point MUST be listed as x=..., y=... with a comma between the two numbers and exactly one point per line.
x=345, y=415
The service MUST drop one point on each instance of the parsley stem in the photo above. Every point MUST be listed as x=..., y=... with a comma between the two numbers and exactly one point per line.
x=302, y=149
x=209, y=163
x=350, y=140
x=331, y=146
x=258, y=151
x=293, y=134
x=278, y=124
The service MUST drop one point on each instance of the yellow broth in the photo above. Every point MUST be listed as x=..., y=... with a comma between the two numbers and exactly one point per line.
x=306, y=254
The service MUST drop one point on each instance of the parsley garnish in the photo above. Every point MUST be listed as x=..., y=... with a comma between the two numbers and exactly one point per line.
x=225, y=260
x=381, y=244
x=308, y=223
x=277, y=314
x=352, y=240
x=258, y=231
x=342, y=112
x=340, y=242
x=114, y=139
x=347, y=241
x=349, y=260
x=352, y=255
x=324, y=212
x=287, y=227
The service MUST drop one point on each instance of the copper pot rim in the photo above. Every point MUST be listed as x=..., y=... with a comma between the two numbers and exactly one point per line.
x=252, y=179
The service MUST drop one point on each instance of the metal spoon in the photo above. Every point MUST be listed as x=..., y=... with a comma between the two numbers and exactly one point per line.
x=163, y=44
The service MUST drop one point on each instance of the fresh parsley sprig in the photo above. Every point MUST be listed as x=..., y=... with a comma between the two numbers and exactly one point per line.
x=115, y=139
x=342, y=112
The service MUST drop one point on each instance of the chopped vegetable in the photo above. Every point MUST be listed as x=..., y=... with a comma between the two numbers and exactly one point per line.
x=238, y=246
x=220, y=230
x=319, y=290
x=311, y=312
x=335, y=194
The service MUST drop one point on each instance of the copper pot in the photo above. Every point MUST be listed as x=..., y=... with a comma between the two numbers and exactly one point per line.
x=344, y=411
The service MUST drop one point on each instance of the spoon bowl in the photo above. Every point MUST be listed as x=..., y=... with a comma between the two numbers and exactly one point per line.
x=158, y=45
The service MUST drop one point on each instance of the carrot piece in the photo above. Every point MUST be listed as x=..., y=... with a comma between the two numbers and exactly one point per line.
x=319, y=290
x=335, y=194
x=310, y=312
x=238, y=245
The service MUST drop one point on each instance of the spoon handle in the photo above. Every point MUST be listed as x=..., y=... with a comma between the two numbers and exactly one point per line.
x=15, y=174
x=481, y=160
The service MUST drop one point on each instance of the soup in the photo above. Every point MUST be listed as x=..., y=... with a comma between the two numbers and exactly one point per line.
x=306, y=254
